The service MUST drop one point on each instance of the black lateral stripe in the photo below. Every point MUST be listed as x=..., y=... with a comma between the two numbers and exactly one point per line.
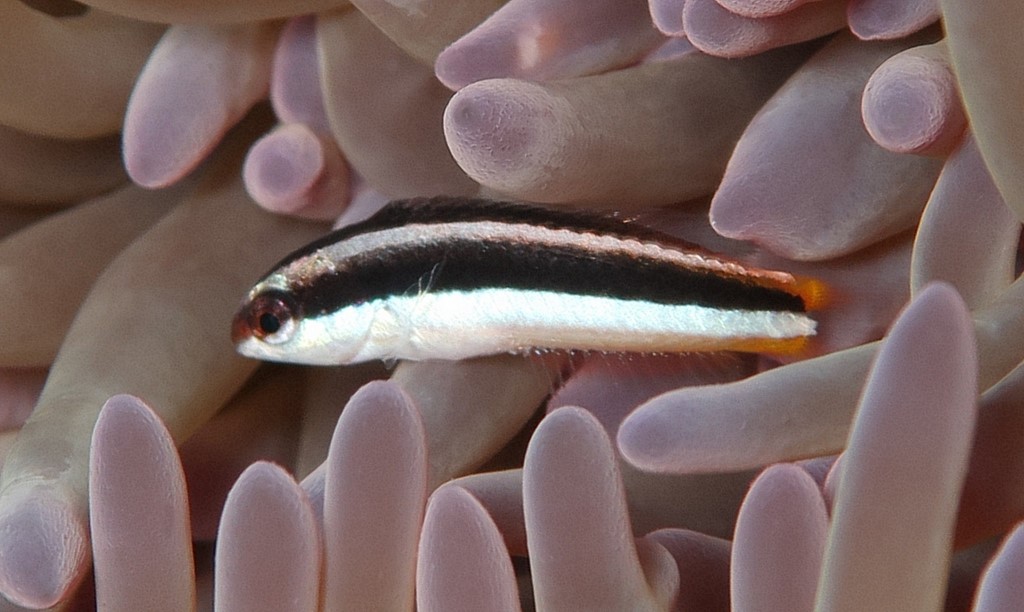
x=451, y=209
x=467, y=265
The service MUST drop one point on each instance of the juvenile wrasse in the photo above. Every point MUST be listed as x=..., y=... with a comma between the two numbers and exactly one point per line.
x=453, y=278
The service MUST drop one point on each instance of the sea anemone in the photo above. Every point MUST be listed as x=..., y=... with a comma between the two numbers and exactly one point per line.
x=158, y=156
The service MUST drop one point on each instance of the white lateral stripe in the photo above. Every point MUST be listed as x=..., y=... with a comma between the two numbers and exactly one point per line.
x=522, y=233
x=458, y=325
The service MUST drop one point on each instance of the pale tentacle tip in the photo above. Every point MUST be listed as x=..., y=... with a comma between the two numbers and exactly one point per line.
x=43, y=549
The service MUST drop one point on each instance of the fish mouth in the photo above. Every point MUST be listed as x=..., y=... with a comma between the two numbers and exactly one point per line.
x=240, y=328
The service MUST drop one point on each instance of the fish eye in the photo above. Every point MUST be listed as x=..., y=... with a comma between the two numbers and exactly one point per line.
x=269, y=323
x=272, y=317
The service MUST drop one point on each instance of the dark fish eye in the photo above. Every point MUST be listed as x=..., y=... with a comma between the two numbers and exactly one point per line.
x=269, y=323
x=272, y=317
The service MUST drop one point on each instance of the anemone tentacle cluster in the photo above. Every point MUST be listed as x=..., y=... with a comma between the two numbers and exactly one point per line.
x=157, y=156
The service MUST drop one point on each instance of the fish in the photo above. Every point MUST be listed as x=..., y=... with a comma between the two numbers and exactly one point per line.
x=455, y=278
